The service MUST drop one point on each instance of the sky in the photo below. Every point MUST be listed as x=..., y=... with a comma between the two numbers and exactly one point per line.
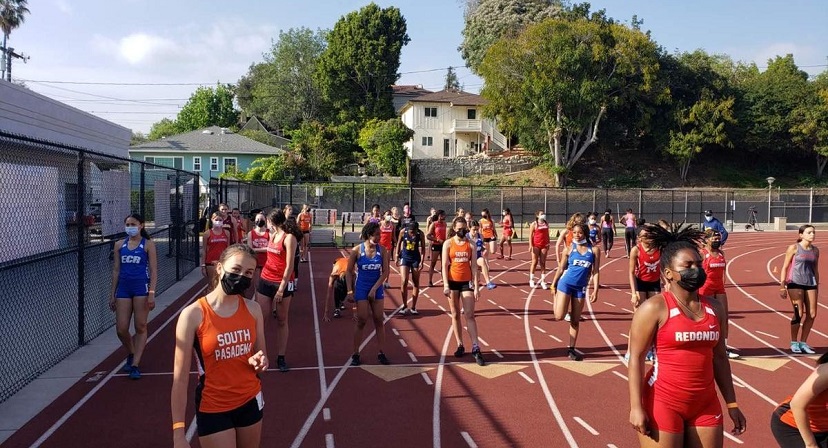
x=135, y=62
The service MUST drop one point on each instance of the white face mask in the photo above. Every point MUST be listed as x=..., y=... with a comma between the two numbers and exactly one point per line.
x=591, y=221
x=708, y=217
x=542, y=217
x=218, y=223
x=388, y=218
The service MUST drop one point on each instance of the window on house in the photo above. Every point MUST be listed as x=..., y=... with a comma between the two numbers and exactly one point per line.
x=213, y=163
x=430, y=111
x=196, y=163
x=446, y=147
x=229, y=164
x=472, y=114
x=428, y=141
x=169, y=162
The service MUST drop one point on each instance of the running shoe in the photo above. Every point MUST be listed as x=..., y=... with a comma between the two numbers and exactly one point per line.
x=414, y=312
x=568, y=318
x=733, y=355
x=128, y=365
x=460, y=351
x=532, y=283
x=403, y=311
x=806, y=348
x=543, y=285
x=490, y=285
x=795, y=347
x=383, y=359
x=386, y=285
x=500, y=257
x=280, y=362
x=478, y=357
x=355, y=360
x=134, y=373
x=573, y=355
x=626, y=358
x=650, y=356
x=430, y=284
x=342, y=307
x=337, y=313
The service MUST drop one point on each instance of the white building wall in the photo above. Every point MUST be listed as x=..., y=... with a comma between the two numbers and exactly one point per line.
x=438, y=129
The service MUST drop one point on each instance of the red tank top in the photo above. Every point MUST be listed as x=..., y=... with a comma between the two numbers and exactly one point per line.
x=239, y=231
x=439, y=231
x=540, y=237
x=387, y=235
x=216, y=243
x=507, y=222
x=224, y=344
x=646, y=268
x=274, y=268
x=817, y=413
x=684, y=370
x=258, y=242
x=714, y=266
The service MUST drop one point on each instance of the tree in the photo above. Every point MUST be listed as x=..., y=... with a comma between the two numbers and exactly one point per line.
x=282, y=90
x=489, y=20
x=556, y=81
x=452, y=82
x=383, y=143
x=208, y=107
x=361, y=62
x=810, y=124
x=259, y=136
x=701, y=125
x=12, y=15
x=163, y=128
x=273, y=168
x=138, y=138
x=322, y=150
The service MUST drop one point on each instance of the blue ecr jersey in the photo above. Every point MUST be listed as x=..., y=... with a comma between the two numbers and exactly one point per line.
x=410, y=247
x=579, y=267
x=478, y=243
x=134, y=263
x=368, y=270
x=593, y=233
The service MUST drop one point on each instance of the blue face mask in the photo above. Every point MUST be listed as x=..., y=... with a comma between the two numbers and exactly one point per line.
x=132, y=231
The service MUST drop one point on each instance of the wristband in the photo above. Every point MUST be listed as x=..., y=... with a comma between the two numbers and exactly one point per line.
x=178, y=425
x=350, y=292
x=151, y=291
x=733, y=405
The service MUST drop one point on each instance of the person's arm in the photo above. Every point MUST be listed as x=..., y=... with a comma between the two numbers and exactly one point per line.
x=494, y=228
x=259, y=358
x=398, y=246
x=475, y=272
x=444, y=260
x=558, y=244
x=815, y=384
x=783, y=274
x=422, y=249
x=430, y=232
x=350, y=273
x=290, y=251
x=645, y=322
x=635, y=299
x=152, y=260
x=719, y=227
x=721, y=372
x=185, y=331
x=329, y=294
x=205, y=241
x=116, y=272
x=561, y=268
x=816, y=265
x=595, y=274
x=383, y=273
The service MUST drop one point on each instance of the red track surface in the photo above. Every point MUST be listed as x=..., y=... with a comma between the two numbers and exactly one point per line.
x=530, y=395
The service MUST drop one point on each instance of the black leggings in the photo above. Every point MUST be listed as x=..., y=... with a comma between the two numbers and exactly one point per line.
x=629, y=238
x=787, y=436
x=607, y=235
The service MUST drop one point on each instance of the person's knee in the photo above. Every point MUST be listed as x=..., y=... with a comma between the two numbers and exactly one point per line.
x=123, y=330
x=281, y=320
x=140, y=328
x=360, y=322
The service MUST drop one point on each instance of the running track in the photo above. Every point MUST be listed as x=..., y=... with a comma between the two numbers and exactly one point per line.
x=529, y=395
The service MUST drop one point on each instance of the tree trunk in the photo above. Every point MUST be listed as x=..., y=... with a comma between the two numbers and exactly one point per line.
x=684, y=169
x=820, y=164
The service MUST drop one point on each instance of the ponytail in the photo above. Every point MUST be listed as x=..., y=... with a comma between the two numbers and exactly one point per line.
x=670, y=241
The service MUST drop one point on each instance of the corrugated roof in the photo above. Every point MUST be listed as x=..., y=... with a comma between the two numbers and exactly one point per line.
x=455, y=97
x=214, y=141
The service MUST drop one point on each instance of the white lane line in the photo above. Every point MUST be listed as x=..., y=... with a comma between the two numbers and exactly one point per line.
x=731, y=437
x=438, y=390
x=191, y=430
x=540, y=329
x=628, y=310
x=402, y=342
x=609, y=445
x=516, y=315
x=433, y=301
x=526, y=377
x=320, y=360
x=426, y=378
x=504, y=308
x=480, y=340
x=497, y=353
x=326, y=414
x=620, y=375
x=610, y=304
x=413, y=358
x=548, y=302
x=329, y=441
x=442, y=308
x=585, y=425
x=108, y=377
x=767, y=334
x=626, y=336
x=524, y=291
x=468, y=439
x=755, y=391
x=396, y=333
x=492, y=301
x=555, y=338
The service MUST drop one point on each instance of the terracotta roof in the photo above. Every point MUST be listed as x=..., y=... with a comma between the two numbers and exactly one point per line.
x=455, y=97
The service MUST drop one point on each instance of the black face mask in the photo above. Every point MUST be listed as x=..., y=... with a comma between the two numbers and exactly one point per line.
x=716, y=244
x=233, y=284
x=462, y=233
x=692, y=278
x=260, y=223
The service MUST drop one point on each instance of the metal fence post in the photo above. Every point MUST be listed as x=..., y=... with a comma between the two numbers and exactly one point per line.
x=141, y=196
x=686, y=197
x=566, y=203
x=471, y=198
x=593, y=201
x=672, y=206
x=641, y=202
x=521, y=212
x=81, y=190
x=177, y=226
x=811, y=206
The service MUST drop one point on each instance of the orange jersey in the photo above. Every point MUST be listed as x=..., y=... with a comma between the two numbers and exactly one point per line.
x=305, y=221
x=223, y=345
x=216, y=243
x=487, y=228
x=459, y=255
x=817, y=413
x=340, y=267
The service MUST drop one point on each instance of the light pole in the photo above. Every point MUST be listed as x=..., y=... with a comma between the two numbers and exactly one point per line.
x=770, y=185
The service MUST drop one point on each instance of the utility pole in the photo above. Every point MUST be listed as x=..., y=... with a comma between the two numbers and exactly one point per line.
x=8, y=55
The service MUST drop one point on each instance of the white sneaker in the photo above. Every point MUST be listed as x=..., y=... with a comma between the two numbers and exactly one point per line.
x=806, y=348
x=532, y=283
x=543, y=285
x=568, y=318
x=795, y=347
x=733, y=355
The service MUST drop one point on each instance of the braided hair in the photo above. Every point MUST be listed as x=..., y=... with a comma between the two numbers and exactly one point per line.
x=680, y=236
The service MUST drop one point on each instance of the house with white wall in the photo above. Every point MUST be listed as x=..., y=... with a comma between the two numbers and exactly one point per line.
x=449, y=124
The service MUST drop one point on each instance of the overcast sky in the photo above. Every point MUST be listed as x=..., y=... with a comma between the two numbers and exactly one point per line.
x=103, y=50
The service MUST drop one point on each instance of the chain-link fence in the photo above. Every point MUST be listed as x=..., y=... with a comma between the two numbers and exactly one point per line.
x=65, y=209
x=799, y=206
